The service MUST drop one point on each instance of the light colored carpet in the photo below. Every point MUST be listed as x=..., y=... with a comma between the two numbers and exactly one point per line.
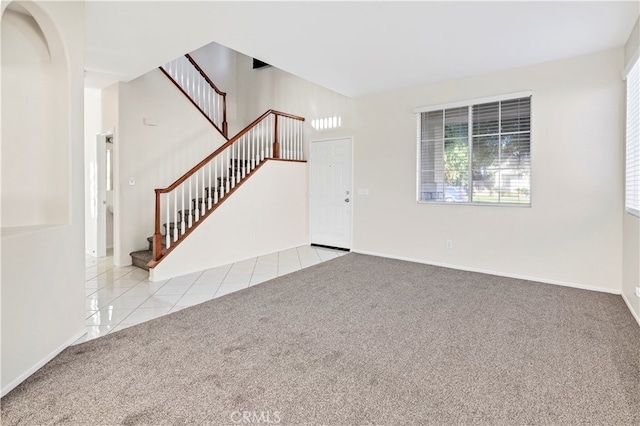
x=356, y=340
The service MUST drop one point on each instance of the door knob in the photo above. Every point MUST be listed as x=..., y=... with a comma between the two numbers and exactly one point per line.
x=346, y=200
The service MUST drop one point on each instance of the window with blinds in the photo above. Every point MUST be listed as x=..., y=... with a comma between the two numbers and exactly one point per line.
x=632, y=169
x=476, y=152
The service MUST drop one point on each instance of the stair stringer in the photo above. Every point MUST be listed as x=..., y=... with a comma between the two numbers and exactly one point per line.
x=268, y=213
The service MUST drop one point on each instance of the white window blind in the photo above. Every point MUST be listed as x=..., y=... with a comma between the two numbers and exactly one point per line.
x=632, y=169
x=476, y=153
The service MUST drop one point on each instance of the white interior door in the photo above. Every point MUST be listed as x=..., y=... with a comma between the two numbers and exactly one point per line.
x=331, y=193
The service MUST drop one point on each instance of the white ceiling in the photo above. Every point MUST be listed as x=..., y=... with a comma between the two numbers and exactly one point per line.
x=354, y=48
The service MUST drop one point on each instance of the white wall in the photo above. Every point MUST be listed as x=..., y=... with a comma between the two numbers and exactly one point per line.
x=256, y=91
x=268, y=213
x=155, y=156
x=33, y=127
x=42, y=282
x=631, y=229
x=572, y=233
x=271, y=88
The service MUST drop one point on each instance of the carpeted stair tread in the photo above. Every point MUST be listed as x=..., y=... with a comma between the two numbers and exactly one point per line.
x=141, y=258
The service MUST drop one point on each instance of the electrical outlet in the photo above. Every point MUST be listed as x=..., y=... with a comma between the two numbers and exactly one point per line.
x=637, y=292
x=449, y=244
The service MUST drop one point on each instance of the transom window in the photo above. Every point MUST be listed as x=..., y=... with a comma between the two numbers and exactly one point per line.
x=476, y=152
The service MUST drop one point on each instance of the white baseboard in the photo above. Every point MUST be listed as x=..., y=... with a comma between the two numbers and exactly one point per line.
x=8, y=388
x=634, y=313
x=489, y=272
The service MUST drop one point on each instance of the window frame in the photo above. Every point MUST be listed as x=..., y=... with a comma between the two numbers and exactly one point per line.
x=633, y=210
x=470, y=104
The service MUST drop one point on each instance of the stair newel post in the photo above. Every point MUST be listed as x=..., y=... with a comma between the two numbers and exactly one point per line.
x=276, y=143
x=157, y=236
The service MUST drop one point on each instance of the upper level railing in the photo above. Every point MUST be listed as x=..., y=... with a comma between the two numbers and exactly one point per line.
x=187, y=75
x=182, y=205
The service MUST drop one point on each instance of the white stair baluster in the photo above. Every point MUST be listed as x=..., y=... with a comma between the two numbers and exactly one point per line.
x=182, y=224
x=283, y=140
x=209, y=195
x=232, y=174
x=187, y=75
x=289, y=139
x=167, y=232
x=226, y=169
x=295, y=139
x=244, y=155
x=269, y=142
x=198, y=96
x=285, y=137
x=237, y=165
x=196, y=206
x=204, y=200
x=175, y=216
x=266, y=135
x=215, y=180
x=190, y=207
x=259, y=151
x=201, y=94
x=209, y=109
x=218, y=108
x=251, y=149
x=194, y=91
x=300, y=148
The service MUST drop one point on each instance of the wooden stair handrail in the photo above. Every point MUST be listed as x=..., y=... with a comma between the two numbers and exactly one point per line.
x=198, y=166
x=157, y=238
x=218, y=91
x=204, y=75
x=225, y=127
x=158, y=252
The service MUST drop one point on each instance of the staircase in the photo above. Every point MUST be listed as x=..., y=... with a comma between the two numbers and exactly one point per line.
x=141, y=258
x=187, y=218
x=183, y=205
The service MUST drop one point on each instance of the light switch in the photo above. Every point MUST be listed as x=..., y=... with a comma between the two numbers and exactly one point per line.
x=132, y=181
x=363, y=191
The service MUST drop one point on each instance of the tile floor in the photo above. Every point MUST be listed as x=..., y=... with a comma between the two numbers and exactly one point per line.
x=118, y=298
